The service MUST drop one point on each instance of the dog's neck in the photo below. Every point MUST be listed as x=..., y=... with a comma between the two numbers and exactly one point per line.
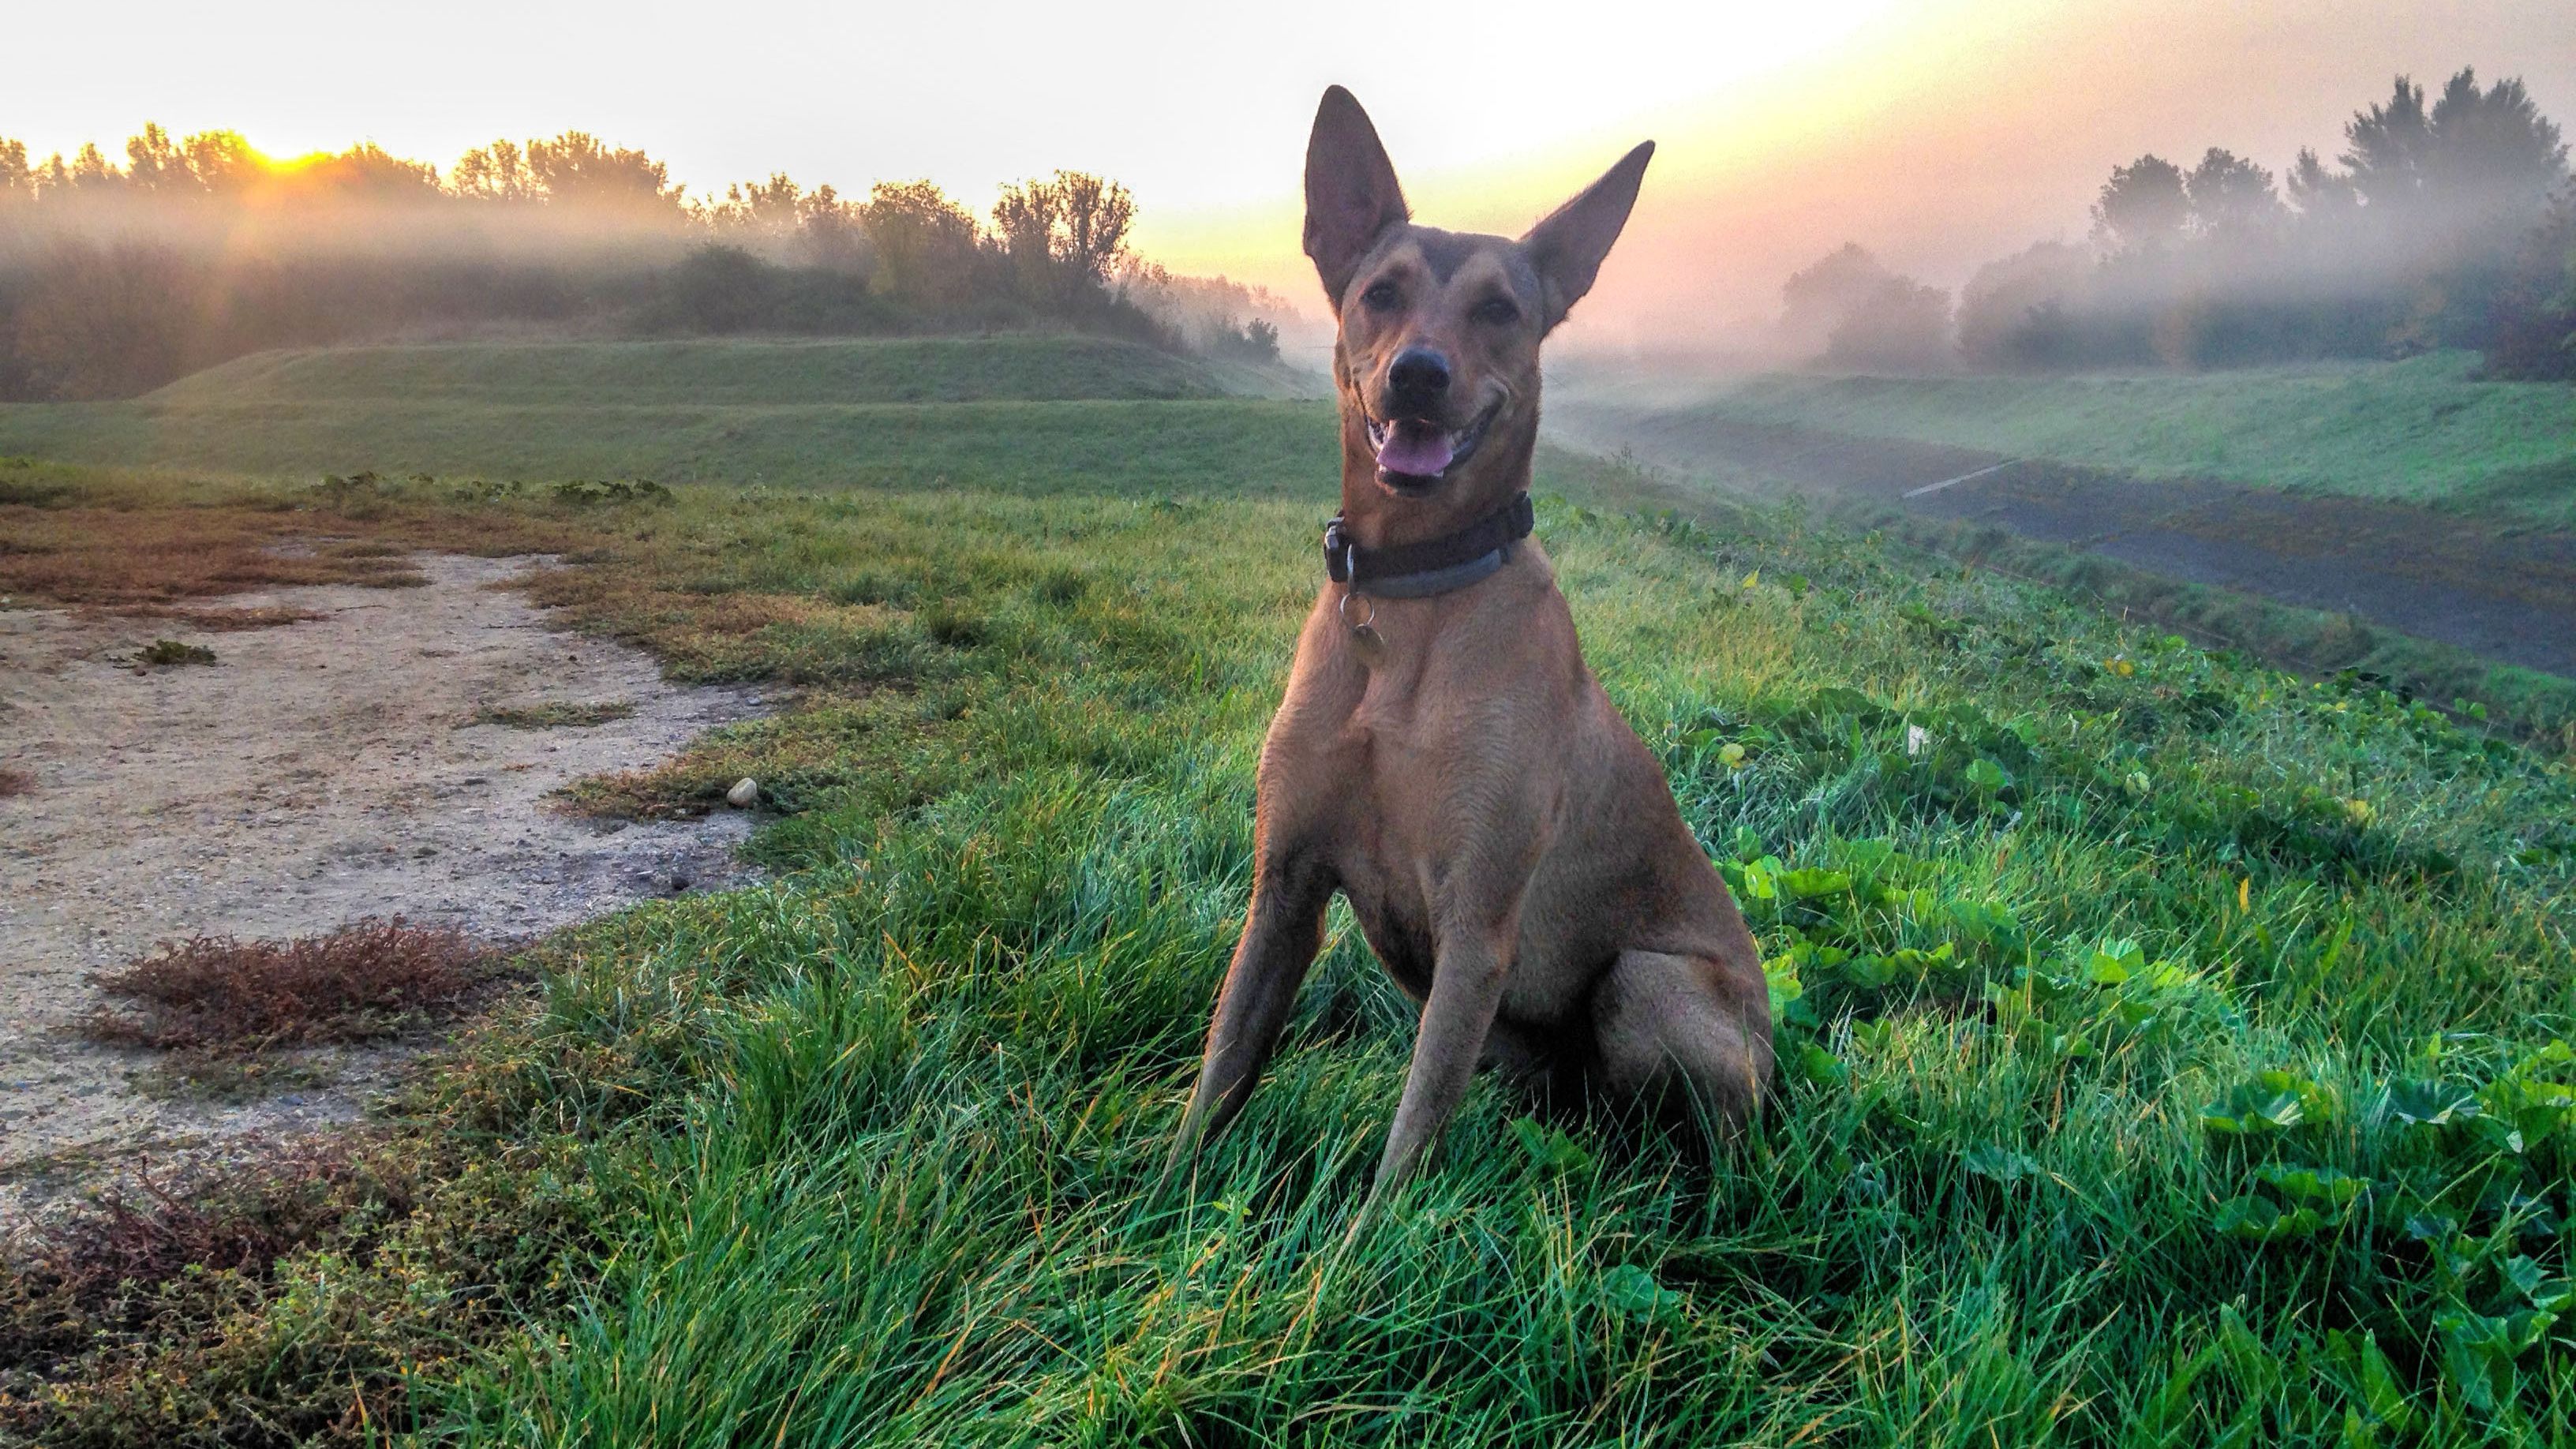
x=1372, y=517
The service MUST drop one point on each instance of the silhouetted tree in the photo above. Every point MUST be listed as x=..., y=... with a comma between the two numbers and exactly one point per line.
x=2143, y=210
x=17, y=178
x=832, y=233
x=2534, y=332
x=764, y=209
x=2023, y=311
x=2319, y=192
x=219, y=252
x=221, y=161
x=498, y=172
x=154, y=162
x=1063, y=235
x=1900, y=326
x=1851, y=311
x=367, y=172
x=2232, y=200
x=91, y=170
x=576, y=169
x=925, y=243
x=1817, y=297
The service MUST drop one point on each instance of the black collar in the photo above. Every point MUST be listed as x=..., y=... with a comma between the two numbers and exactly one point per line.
x=1433, y=566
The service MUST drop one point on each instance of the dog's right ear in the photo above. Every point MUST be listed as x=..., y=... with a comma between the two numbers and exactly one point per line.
x=1567, y=247
x=1351, y=192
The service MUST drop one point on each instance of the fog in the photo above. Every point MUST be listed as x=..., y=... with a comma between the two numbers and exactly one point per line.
x=2436, y=215
x=122, y=271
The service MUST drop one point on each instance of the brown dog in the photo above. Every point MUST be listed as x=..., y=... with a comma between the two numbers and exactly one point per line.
x=1443, y=757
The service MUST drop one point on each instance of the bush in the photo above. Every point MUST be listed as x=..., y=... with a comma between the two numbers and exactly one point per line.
x=2535, y=304
x=359, y=983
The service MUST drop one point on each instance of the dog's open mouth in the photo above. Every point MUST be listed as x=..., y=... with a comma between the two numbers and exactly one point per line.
x=1413, y=454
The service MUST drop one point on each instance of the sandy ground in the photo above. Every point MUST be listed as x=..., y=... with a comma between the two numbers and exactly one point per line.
x=317, y=773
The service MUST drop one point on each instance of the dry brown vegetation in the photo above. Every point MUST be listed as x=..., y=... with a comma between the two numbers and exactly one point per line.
x=92, y=555
x=148, y=1233
x=110, y=1267
x=362, y=982
x=78, y=537
x=146, y=1318
x=16, y=782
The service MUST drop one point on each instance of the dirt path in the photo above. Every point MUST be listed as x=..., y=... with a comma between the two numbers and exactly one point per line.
x=2506, y=595
x=316, y=773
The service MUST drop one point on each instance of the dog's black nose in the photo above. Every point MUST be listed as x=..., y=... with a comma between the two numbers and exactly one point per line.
x=1419, y=375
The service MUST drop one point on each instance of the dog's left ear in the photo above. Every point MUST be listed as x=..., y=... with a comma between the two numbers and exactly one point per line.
x=1566, y=249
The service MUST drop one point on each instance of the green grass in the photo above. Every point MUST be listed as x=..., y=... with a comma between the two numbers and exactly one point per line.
x=1027, y=413
x=2170, y=1045
x=884, y=1132
x=1095, y=447
x=1031, y=368
x=555, y=715
x=2419, y=431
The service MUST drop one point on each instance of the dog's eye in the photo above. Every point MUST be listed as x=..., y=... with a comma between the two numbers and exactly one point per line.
x=1497, y=312
x=1382, y=297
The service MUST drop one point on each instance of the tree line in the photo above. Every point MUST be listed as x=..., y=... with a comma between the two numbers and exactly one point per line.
x=119, y=275
x=2445, y=222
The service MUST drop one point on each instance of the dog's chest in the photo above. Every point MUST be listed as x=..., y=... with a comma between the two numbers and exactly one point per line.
x=1415, y=813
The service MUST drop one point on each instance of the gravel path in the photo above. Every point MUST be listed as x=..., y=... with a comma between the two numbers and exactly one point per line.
x=318, y=772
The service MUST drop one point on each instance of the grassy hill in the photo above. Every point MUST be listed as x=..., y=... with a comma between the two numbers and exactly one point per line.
x=1101, y=446
x=2420, y=430
x=1019, y=412
x=1011, y=368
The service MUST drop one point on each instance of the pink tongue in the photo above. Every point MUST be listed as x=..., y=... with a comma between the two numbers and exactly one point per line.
x=1414, y=448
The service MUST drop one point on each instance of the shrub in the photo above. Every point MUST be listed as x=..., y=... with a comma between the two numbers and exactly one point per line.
x=167, y=652
x=362, y=982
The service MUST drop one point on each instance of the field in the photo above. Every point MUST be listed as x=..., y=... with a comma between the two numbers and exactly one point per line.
x=1028, y=414
x=765, y=372
x=2465, y=596
x=2174, y=1051
x=2421, y=431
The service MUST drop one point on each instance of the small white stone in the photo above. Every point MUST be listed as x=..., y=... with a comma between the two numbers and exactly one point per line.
x=744, y=794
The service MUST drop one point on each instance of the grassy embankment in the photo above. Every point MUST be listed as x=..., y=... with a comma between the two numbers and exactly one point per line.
x=2175, y=1050
x=2500, y=456
x=1040, y=414
x=2420, y=431
x=1029, y=414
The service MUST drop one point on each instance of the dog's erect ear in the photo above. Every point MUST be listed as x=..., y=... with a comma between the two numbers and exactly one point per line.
x=1351, y=193
x=1567, y=248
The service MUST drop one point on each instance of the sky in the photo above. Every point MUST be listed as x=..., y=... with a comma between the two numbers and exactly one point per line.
x=1938, y=133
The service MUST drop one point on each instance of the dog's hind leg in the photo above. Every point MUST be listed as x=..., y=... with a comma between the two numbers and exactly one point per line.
x=1663, y=1022
x=1281, y=934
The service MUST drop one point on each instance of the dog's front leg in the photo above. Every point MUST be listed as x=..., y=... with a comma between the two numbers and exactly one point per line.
x=1467, y=977
x=1281, y=934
